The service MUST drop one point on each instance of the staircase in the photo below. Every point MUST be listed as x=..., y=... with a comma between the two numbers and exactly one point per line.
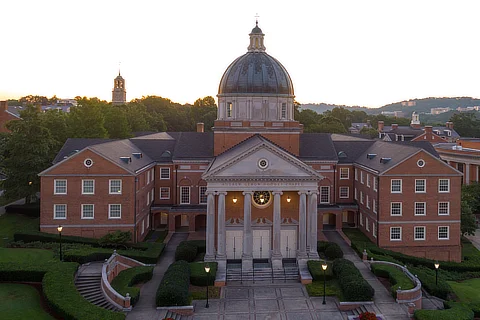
x=262, y=273
x=359, y=310
x=88, y=284
x=172, y=315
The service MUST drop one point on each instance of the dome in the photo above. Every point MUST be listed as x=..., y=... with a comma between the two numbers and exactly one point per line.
x=256, y=72
x=257, y=30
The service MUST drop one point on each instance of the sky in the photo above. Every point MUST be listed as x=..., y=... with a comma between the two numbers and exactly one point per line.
x=366, y=53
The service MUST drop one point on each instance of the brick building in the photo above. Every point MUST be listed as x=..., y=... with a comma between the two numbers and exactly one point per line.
x=257, y=185
x=6, y=115
x=464, y=155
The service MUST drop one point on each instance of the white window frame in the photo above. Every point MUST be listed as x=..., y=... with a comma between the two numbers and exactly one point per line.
x=182, y=188
x=148, y=198
x=368, y=202
x=164, y=189
x=361, y=219
x=344, y=173
x=164, y=172
x=374, y=229
x=391, y=208
x=152, y=196
x=283, y=110
x=374, y=205
x=356, y=194
x=143, y=226
x=110, y=186
x=367, y=224
x=55, y=212
x=110, y=211
x=448, y=208
x=322, y=194
x=361, y=197
x=361, y=177
x=392, y=185
x=368, y=180
x=148, y=176
x=424, y=209
x=356, y=174
x=375, y=183
x=93, y=186
x=55, y=186
x=440, y=186
x=400, y=233
x=345, y=190
x=200, y=194
x=93, y=211
x=229, y=109
x=448, y=233
x=424, y=186
x=415, y=233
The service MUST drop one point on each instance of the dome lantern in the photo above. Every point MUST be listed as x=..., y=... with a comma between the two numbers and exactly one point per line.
x=256, y=40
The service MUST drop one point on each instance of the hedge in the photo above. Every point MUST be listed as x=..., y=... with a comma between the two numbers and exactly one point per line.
x=354, y=286
x=31, y=210
x=315, y=268
x=331, y=250
x=198, y=276
x=124, y=282
x=186, y=251
x=395, y=276
x=173, y=290
x=452, y=311
x=58, y=289
x=428, y=279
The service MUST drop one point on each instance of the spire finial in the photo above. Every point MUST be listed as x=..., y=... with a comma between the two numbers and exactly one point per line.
x=256, y=19
x=119, y=64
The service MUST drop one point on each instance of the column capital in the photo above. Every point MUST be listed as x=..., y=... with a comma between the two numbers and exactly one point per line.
x=247, y=193
x=209, y=192
x=221, y=192
x=277, y=192
x=302, y=192
x=310, y=192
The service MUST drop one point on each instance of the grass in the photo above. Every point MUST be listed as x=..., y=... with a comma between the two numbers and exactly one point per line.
x=21, y=301
x=470, y=252
x=200, y=293
x=467, y=291
x=162, y=236
x=315, y=289
x=11, y=223
x=25, y=255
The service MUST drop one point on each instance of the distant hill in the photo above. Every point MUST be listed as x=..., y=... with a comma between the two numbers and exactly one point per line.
x=322, y=107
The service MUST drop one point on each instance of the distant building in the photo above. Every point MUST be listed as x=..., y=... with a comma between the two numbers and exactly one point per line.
x=467, y=109
x=6, y=114
x=119, y=94
x=358, y=126
x=439, y=110
x=398, y=114
x=409, y=103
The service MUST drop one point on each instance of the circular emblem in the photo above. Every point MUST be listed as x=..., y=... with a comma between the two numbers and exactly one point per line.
x=88, y=162
x=421, y=163
x=261, y=199
x=263, y=163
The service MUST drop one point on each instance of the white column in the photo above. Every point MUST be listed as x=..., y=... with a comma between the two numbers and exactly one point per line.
x=302, y=232
x=221, y=239
x=277, y=219
x=467, y=173
x=313, y=230
x=247, y=257
x=210, y=234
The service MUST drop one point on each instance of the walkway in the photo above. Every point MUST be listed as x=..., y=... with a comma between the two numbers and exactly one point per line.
x=145, y=307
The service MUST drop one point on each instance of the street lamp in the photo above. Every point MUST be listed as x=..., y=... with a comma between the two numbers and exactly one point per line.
x=324, y=268
x=60, y=228
x=437, y=265
x=207, y=270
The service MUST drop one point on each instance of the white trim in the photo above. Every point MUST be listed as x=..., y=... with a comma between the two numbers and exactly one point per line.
x=110, y=186
x=110, y=211
x=391, y=186
x=424, y=185
x=340, y=192
x=93, y=211
x=448, y=191
x=200, y=195
x=448, y=233
x=448, y=208
x=162, y=198
x=415, y=233
x=320, y=195
x=395, y=215
x=424, y=209
x=83, y=186
x=347, y=175
x=400, y=239
x=181, y=193
x=169, y=173
x=55, y=212
x=55, y=186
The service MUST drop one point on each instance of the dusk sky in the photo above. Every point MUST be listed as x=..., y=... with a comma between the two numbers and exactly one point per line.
x=366, y=53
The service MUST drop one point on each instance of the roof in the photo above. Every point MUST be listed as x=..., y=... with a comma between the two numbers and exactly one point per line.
x=317, y=146
x=443, y=132
x=350, y=150
x=74, y=145
x=403, y=130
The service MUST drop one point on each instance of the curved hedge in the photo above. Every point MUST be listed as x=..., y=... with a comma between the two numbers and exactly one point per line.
x=124, y=282
x=173, y=290
x=354, y=286
x=394, y=275
x=452, y=311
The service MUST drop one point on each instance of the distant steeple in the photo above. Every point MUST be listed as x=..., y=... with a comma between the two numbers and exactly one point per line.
x=256, y=39
x=119, y=94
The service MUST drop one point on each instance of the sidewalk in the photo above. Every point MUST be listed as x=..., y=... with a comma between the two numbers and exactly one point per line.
x=146, y=307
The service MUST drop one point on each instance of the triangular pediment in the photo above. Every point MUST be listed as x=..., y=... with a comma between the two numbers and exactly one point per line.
x=258, y=158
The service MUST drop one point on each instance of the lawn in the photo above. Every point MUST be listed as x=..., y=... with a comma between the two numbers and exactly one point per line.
x=12, y=222
x=467, y=291
x=200, y=293
x=315, y=289
x=21, y=301
x=25, y=255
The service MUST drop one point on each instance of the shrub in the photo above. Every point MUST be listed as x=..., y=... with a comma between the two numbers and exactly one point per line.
x=32, y=236
x=333, y=251
x=124, y=282
x=395, y=276
x=354, y=287
x=315, y=268
x=186, y=251
x=31, y=209
x=427, y=278
x=321, y=246
x=116, y=239
x=173, y=290
x=198, y=276
x=452, y=310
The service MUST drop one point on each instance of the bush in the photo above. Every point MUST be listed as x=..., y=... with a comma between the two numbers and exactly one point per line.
x=315, y=268
x=32, y=236
x=124, y=282
x=354, y=286
x=452, y=310
x=31, y=209
x=198, y=276
x=395, y=276
x=333, y=251
x=186, y=251
x=173, y=290
x=116, y=239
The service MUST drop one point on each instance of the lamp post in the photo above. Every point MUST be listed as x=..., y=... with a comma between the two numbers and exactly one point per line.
x=324, y=268
x=207, y=270
x=437, y=265
x=60, y=228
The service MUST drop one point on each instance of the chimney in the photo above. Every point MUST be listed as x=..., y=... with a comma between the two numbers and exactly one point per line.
x=380, y=126
x=394, y=126
x=449, y=125
x=428, y=129
x=200, y=127
x=4, y=105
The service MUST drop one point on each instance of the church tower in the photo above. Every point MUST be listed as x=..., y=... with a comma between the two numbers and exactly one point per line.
x=119, y=94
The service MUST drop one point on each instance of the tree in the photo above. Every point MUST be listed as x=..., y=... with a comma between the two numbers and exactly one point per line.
x=329, y=124
x=116, y=122
x=470, y=205
x=370, y=132
x=309, y=119
x=466, y=124
x=208, y=101
x=86, y=120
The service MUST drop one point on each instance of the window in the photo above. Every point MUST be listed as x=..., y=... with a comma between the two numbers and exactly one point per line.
x=87, y=211
x=184, y=195
x=344, y=173
x=361, y=177
x=375, y=183
x=88, y=186
x=356, y=174
x=374, y=229
x=114, y=211
x=153, y=195
x=324, y=194
x=420, y=186
x=444, y=185
x=368, y=202
x=202, y=194
x=443, y=208
x=344, y=192
x=368, y=180
x=419, y=233
x=361, y=219
x=361, y=197
x=284, y=110
x=148, y=176
x=164, y=193
x=460, y=167
x=59, y=211
x=395, y=233
x=396, y=208
x=229, y=109
x=396, y=185
x=443, y=233
x=420, y=208
x=143, y=226
x=164, y=173
x=374, y=205
x=115, y=186
x=367, y=224
x=148, y=198
x=60, y=187
x=356, y=194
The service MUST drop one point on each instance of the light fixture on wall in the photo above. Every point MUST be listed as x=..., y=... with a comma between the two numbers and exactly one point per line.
x=234, y=199
x=262, y=199
x=288, y=199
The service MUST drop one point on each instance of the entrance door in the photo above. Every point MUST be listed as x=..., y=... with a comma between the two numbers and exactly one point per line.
x=261, y=244
x=234, y=244
x=288, y=243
